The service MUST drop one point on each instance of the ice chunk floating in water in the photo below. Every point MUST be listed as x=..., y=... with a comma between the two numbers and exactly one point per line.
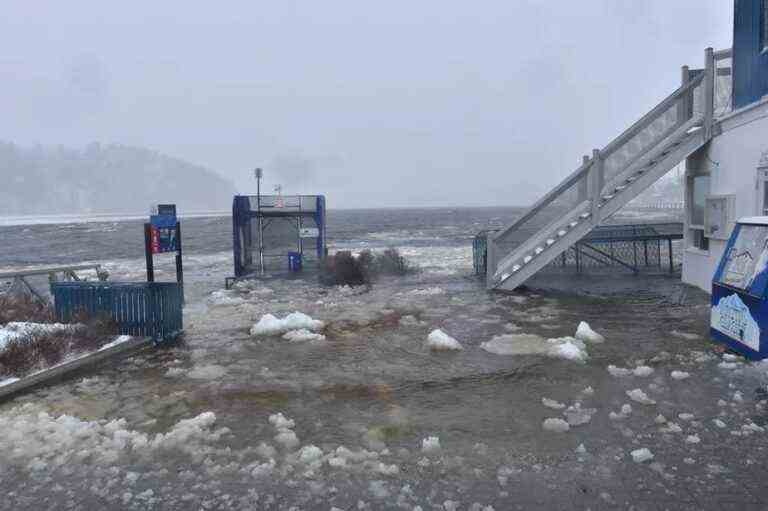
x=641, y=455
x=555, y=425
x=568, y=348
x=271, y=325
x=585, y=333
x=303, y=335
x=440, y=341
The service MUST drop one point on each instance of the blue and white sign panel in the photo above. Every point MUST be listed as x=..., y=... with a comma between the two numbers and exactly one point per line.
x=739, y=313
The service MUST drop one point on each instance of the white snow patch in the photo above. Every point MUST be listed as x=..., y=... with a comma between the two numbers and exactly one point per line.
x=641, y=455
x=626, y=409
x=640, y=396
x=119, y=340
x=692, y=439
x=303, y=335
x=271, y=325
x=619, y=371
x=576, y=415
x=17, y=330
x=279, y=421
x=551, y=403
x=568, y=348
x=684, y=335
x=224, y=298
x=8, y=381
x=555, y=425
x=679, y=375
x=642, y=371
x=429, y=291
x=430, y=444
x=686, y=416
x=720, y=424
x=585, y=333
x=440, y=341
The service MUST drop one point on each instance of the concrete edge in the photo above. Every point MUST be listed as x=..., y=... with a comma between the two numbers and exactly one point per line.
x=50, y=375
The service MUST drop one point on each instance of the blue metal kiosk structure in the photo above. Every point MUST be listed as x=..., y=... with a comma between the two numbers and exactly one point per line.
x=739, y=313
x=277, y=232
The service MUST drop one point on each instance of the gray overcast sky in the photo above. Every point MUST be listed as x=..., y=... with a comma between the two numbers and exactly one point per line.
x=397, y=103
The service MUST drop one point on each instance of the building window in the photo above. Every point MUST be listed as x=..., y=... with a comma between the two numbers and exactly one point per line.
x=698, y=190
x=764, y=25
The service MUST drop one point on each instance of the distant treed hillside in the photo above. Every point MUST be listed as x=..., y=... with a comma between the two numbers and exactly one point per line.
x=103, y=178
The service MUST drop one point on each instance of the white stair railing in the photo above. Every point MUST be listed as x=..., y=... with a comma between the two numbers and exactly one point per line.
x=604, y=174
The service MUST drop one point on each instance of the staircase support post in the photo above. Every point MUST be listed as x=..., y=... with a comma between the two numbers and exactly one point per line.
x=709, y=91
x=685, y=106
x=596, y=178
x=583, y=184
x=490, y=259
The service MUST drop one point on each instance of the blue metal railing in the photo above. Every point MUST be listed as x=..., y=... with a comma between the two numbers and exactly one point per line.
x=150, y=309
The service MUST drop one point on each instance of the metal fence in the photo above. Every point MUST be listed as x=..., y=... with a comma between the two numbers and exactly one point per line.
x=151, y=309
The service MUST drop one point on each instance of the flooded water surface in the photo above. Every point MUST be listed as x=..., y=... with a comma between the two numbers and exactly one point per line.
x=356, y=402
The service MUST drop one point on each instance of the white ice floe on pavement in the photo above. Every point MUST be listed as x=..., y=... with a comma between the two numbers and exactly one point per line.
x=586, y=334
x=684, y=335
x=642, y=371
x=430, y=444
x=271, y=325
x=225, y=298
x=35, y=439
x=568, y=348
x=641, y=455
x=429, y=291
x=679, y=375
x=280, y=421
x=516, y=344
x=618, y=371
x=626, y=409
x=640, y=396
x=576, y=415
x=285, y=435
x=672, y=427
x=551, y=403
x=303, y=335
x=555, y=425
x=440, y=341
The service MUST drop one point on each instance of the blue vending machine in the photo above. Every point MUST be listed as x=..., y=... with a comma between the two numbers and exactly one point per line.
x=739, y=314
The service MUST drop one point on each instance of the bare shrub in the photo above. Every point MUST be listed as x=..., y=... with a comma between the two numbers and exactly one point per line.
x=344, y=269
x=24, y=308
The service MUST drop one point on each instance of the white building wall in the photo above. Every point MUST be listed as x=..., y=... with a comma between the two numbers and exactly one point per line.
x=731, y=159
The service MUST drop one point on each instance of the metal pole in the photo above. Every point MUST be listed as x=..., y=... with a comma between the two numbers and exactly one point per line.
x=671, y=263
x=179, y=265
x=148, y=252
x=261, y=223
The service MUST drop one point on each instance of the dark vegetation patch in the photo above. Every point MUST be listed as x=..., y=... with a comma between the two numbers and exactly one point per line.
x=41, y=348
x=345, y=269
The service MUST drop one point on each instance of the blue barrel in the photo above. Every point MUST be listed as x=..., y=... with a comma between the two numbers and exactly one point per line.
x=294, y=261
